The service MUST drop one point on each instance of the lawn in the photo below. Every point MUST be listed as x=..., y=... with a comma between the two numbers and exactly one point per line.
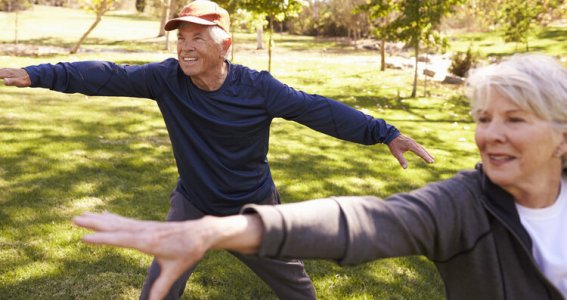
x=61, y=155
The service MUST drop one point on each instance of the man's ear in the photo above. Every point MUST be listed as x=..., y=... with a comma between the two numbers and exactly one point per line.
x=226, y=43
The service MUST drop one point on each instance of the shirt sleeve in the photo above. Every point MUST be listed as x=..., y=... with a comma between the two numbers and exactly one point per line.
x=96, y=78
x=325, y=115
x=438, y=221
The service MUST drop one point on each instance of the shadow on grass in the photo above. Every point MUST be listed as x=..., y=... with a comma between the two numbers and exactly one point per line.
x=394, y=278
x=94, y=274
x=59, y=167
x=557, y=34
x=112, y=163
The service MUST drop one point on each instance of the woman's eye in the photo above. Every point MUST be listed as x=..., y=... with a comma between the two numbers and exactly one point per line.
x=483, y=119
x=516, y=120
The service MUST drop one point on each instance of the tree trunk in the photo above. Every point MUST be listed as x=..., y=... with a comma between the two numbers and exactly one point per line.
x=383, y=54
x=259, y=38
x=164, y=16
x=355, y=38
x=82, y=39
x=270, y=44
x=16, y=33
x=167, y=14
x=232, y=47
x=414, y=89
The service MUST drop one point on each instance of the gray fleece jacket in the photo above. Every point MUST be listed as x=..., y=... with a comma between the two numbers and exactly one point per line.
x=467, y=226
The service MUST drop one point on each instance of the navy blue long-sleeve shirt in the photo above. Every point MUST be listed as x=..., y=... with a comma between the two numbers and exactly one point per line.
x=220, y=138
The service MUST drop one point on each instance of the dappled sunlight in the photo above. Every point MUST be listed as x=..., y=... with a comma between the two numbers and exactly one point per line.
x=86, y=203
x=384, y=279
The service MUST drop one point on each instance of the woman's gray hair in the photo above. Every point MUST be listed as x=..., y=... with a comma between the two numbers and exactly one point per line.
x=534, y=82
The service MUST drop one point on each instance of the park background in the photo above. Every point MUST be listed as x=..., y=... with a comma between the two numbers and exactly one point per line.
x=62, y=155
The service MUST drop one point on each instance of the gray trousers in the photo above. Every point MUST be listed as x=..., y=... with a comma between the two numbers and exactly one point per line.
x=287, y=278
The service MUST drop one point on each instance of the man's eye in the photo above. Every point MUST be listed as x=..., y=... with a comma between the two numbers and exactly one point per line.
x=483, y=120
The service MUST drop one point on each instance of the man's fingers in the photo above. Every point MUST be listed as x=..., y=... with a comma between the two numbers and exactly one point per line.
x=108, y=222
x=13, y=81
x=97, y=222
x=15, y=77
x=117, y=239
x=162, y=285
x=402, y=144
x=421, y=152
x=399, y=155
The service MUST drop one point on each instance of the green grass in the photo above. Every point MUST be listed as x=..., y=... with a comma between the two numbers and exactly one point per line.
x=61, y=155
x=550, y=40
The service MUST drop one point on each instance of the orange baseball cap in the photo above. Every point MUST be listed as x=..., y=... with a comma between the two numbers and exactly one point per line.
x=201, y=12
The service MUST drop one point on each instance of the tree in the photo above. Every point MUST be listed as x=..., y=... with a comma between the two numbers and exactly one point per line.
x=231, y=7
x=417, y=24
x=275, y=10
x=517, y=17
x=380, y=15
x=99, y=7
x=346, y=14
x=168, y=9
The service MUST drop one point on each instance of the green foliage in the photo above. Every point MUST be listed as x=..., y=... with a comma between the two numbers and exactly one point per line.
x=416, y=23
x=278, y=10
x=99, y=7
x=518, y=16
x=380, y=11
x=275, y=11
x=462, y=62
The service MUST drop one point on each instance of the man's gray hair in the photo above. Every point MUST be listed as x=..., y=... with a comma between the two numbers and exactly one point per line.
x=217, y=34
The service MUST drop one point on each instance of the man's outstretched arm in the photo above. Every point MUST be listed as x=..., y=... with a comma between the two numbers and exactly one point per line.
x=15, y=77
x=337, y=119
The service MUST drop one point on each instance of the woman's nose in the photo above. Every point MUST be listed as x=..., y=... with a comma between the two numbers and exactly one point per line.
x=495, y=131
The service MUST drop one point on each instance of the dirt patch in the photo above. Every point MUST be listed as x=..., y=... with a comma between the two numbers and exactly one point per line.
x=31, y=50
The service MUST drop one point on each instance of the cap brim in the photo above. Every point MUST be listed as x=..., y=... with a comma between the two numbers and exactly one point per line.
x=174, y=23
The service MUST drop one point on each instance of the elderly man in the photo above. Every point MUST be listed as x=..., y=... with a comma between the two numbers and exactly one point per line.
x=218, y=116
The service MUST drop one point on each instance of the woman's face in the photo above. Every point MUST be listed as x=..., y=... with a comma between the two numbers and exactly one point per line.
x=518, y=149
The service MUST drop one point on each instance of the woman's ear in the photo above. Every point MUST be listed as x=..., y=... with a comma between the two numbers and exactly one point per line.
x=562, y=148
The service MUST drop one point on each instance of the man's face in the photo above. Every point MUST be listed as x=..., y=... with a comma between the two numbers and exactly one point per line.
x=199, y=56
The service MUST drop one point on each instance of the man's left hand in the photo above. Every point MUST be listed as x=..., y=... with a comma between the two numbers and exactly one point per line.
x=402, y=144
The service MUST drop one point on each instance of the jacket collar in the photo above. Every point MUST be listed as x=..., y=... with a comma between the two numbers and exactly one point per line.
x=502, y=205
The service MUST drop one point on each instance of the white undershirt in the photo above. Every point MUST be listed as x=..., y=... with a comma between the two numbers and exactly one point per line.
x=547, y=228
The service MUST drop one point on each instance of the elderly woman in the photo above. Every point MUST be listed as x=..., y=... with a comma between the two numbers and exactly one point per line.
x=496, y=232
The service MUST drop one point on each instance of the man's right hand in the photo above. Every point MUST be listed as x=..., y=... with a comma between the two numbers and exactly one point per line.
x=15, y=77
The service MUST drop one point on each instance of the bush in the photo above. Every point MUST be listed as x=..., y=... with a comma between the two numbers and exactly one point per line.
x=462, y=62
x=140, y=5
